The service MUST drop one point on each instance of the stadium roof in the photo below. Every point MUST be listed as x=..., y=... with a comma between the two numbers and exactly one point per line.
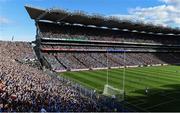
x=79, y=17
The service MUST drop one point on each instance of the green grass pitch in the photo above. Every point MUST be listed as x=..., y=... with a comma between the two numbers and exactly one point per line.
x=163, y=83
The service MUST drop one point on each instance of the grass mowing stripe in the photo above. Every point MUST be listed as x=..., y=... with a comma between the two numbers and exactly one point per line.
x=163, y=76
x=98, y=79
x=159, y=78
x=112, y=81
x=131, y=83
x=147, y=79
x=152, y=74
x=138, y=79
x=164, y=71
x=85, y=80
x=164, y=82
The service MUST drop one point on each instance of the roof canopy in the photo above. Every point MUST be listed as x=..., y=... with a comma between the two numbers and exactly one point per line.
x=79, y=17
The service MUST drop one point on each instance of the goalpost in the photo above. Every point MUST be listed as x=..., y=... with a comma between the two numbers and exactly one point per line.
x=112, y=91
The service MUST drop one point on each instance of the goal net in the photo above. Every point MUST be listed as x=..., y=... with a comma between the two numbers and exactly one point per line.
x=113, y=92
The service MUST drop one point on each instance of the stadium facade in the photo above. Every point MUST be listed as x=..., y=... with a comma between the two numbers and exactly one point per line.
x=77, y=41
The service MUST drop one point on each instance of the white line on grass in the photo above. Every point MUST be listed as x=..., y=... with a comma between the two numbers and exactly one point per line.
x=142, y=109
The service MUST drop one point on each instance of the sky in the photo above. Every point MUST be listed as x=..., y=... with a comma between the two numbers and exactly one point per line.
x=15, y=21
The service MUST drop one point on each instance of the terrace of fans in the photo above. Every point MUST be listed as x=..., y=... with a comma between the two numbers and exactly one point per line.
x=73, y=40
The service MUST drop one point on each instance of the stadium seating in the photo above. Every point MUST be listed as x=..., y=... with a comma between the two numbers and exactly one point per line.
x=26, y=88
x=86, y=33
x=28, y=78
x=80, y=47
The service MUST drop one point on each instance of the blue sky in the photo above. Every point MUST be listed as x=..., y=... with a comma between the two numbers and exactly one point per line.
x=14, y=20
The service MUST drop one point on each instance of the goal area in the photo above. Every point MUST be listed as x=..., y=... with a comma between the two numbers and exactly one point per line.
x=113, y=92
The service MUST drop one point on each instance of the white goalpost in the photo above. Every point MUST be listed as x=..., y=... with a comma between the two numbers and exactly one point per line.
x=110, y=90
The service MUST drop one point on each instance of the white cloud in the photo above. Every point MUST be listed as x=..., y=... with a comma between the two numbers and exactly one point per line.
x=164, y=14
x=167, y=14
x=4, y=20
x=172, y=2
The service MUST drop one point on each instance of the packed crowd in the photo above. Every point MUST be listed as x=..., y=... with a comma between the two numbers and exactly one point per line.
x=68, y=61
x=96, y=48
x=25, y=88
x=50, y=30
x=97, y=56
